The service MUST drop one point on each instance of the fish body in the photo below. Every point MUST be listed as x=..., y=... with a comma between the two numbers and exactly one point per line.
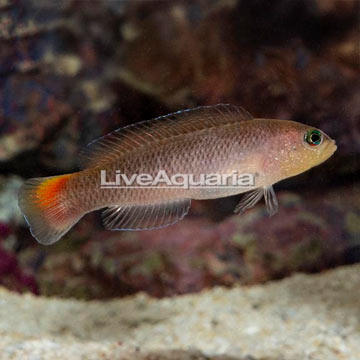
x=220, y=139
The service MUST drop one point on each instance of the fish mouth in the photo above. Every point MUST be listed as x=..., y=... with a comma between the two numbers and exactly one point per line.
x=330, y=148
x=333, y=145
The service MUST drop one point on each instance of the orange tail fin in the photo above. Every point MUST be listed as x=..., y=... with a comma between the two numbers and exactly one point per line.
x=46, y=209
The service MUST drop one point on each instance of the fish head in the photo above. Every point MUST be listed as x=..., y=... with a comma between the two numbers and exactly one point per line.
x=302, y=147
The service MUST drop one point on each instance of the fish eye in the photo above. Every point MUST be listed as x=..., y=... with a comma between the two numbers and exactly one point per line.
x=313, y=137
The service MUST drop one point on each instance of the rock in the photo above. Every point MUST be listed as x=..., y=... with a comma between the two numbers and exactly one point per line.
x=311, y=232
x=10, y=212
x=80, y=71
x=13, y=275
x=305, y=316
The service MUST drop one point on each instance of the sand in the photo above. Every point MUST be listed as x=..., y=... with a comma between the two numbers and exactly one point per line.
x=302, y=317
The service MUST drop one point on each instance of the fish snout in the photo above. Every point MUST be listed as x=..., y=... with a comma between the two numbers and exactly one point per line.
x=329, y=148
x=333, y=145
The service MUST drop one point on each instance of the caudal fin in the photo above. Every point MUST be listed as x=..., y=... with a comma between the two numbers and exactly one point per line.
x=44, y=204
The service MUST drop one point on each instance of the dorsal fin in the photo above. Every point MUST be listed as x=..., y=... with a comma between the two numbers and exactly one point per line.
x=160, y=129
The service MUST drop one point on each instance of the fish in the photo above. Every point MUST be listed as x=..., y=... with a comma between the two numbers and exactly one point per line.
x=218, y=139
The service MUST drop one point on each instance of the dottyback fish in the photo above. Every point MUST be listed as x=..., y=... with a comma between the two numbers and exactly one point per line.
x=219, y=139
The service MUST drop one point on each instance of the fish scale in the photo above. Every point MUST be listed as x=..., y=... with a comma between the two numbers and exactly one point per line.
x=208, y=140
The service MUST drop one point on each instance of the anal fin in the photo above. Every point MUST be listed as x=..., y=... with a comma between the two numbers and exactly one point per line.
x=145, y=217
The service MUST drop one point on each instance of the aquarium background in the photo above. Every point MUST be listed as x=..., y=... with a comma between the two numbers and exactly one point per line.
x=71, y=71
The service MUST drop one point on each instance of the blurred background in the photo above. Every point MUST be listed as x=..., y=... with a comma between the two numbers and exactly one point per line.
x=71, y=71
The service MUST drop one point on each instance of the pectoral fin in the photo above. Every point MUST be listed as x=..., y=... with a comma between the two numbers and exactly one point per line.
x=251, y=198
